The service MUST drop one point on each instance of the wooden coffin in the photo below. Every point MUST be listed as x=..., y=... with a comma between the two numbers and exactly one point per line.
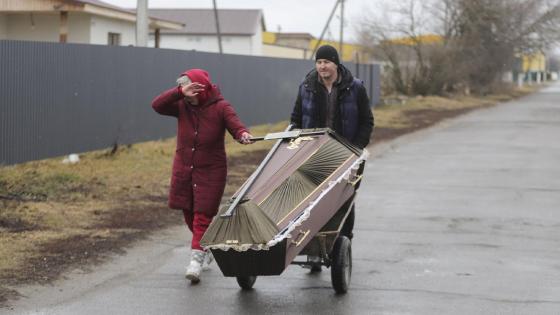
x=301, y=187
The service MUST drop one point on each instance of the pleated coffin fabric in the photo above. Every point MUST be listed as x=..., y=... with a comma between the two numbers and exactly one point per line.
x=257, y=223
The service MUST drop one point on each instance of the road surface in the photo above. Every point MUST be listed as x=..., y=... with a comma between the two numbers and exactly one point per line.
x=461, y=218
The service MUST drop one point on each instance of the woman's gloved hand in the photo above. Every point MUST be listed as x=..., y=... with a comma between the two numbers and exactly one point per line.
x=245, y=138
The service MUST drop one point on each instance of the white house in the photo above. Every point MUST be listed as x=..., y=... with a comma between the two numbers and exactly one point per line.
x=73, y=21
x=241, y=30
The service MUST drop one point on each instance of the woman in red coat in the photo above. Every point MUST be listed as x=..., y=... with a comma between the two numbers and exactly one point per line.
x=199, y=168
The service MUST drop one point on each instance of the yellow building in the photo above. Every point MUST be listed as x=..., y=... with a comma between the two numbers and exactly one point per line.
x=424, y=39
x=286, y=45
x=350, y=52
x=531, y=67
x=303, y=44
x=535, y=62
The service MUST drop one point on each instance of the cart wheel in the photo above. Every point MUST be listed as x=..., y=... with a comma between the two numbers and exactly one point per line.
x=341, y=268
x=246, y=282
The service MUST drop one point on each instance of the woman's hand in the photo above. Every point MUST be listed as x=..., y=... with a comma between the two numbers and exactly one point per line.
x=192, y=89
x=245, y=138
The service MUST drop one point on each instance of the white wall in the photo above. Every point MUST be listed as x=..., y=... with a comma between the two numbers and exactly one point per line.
x=240, y=45
x=101, y=27
x=36, y=27
x=45, y=27
x=79, y=28
x=85, y=28
x=3, y=26
x=256, y=43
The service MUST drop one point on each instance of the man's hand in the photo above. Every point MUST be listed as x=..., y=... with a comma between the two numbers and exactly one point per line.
x=192, y=89
x=245, y=138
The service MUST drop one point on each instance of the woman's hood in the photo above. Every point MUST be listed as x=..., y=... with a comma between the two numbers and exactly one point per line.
x=210, y=92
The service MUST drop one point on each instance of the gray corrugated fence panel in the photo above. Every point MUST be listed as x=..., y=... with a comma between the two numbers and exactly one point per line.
x=376, y=84
x=57, y=99
x=370, y=75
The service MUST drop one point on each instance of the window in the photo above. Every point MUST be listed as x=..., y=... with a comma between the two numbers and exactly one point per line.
x=114, y=39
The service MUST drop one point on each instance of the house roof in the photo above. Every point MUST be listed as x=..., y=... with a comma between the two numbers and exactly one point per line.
x=94, y=7
x=295, y=35
x=155, y=21
x=201, y=21
x=103, y=4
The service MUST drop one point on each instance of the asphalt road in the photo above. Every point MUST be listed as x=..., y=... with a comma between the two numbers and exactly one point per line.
x=462, y=218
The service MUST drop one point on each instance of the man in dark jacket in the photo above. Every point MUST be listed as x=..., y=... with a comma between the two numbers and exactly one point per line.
x=331, y=97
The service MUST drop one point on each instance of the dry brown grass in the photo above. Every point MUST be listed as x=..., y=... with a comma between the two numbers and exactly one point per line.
x=47, y=201
x=399, y=116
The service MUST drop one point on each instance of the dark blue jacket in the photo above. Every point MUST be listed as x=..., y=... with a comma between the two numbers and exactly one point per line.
x=353, y=116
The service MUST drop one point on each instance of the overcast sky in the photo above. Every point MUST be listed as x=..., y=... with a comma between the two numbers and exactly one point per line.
x=307, y=16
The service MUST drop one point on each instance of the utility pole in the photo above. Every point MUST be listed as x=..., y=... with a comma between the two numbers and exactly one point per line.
x=63, y=36
x=341, y=43
x=141, y=23
x=324, y=30
x=218, y=27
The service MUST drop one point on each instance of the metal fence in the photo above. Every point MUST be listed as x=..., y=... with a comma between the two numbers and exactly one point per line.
x=57, y=99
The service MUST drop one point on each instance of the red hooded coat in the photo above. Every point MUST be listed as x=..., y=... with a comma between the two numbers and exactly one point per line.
x=200, y=166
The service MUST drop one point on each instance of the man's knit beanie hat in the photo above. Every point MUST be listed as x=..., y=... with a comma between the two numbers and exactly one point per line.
x=327, y=52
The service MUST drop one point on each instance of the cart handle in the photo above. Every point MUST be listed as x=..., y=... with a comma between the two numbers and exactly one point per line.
x=287, y=135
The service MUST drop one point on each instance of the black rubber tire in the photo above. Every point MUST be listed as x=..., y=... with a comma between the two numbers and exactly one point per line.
x=246, y=282
x=341, y=268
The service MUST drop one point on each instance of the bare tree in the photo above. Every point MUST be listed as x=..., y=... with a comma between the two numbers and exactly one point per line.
x=405, y=60
x=489, y=34
x=479, y=41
